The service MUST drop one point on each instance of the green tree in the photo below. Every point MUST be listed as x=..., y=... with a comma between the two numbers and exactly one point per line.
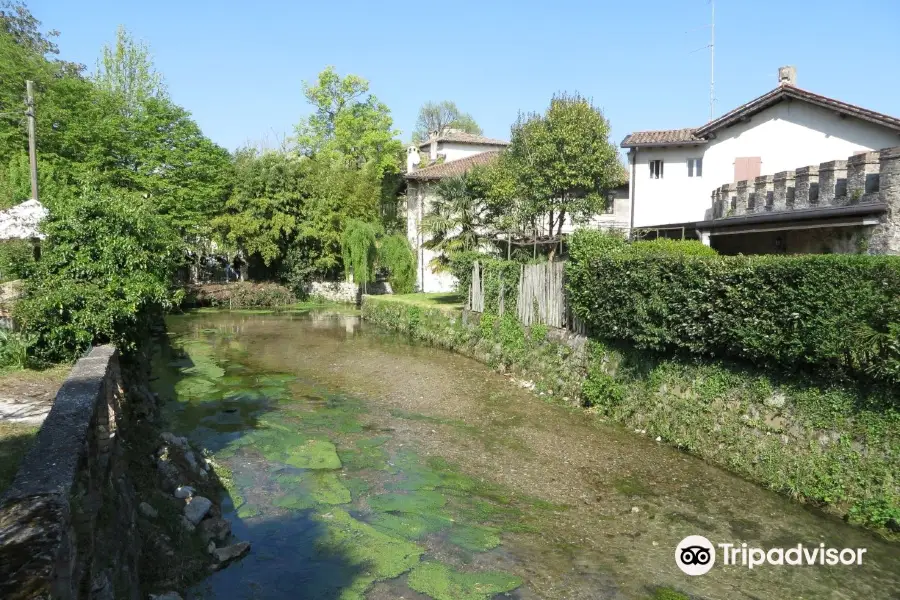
x=126, y=68
x=461, y=217
x=437, y=116
x=349, y=122
x=563, y=162
x=105, y=273
x=359, y=251
x=396, y=255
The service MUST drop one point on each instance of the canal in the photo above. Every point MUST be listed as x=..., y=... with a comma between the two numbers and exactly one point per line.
x=361, y=465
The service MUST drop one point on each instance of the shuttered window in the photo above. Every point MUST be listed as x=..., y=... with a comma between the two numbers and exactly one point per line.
x=747, y=168
x=656, y=169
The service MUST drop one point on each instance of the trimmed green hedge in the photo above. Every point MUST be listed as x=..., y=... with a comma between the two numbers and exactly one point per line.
x=835, y=314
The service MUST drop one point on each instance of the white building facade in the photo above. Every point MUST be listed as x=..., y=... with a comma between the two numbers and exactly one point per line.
x=674, y=172
x=448, y=154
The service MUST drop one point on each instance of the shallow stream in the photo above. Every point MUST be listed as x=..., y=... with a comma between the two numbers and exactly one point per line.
x=366, y=466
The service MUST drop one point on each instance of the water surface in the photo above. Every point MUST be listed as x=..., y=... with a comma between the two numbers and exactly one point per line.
x=365, y=466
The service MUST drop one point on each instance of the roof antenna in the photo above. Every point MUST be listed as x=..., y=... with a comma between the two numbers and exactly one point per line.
x=712, y=62
x=712, y=59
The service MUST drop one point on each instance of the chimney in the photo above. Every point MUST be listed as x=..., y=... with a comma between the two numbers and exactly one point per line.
x=412, y=159
x=787, y=75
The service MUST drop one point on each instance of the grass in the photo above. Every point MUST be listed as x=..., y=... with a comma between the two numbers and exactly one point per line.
x=443, y=301
x=15, y=440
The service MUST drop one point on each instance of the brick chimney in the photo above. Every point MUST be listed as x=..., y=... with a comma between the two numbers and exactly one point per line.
x=787, y=75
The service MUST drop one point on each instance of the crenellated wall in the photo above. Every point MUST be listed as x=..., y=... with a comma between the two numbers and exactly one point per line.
x=867, y=178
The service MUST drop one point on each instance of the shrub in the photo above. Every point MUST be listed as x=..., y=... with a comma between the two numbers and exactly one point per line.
x=14, y=349
x=585, y=244
x=104, y=275
x=461, y=268
x=838, y=314
x=667, y=246
x=397, y=256
x=16, y=257
x=242, y=294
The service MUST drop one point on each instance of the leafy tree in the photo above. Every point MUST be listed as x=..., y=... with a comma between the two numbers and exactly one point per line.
x=460, y=218
x=17, y=21
x=105, y=273
x=563, y=162
x=437, y=116
x=348, y=122
x=397, y=256
x=126, y=69
x=359, y=251
x=266, y=206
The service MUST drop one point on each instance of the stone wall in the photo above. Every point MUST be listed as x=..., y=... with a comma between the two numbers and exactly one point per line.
x=68, y=522
x=868, y=179
x=344, y=291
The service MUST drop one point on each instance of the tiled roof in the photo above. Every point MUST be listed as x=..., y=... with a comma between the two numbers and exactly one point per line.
x=788, y=92
x=453, y=167
x=464, y=138
x=699, y=135
x=663, y=137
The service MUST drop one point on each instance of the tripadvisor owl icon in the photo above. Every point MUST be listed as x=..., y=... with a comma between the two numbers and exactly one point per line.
x=695, y=555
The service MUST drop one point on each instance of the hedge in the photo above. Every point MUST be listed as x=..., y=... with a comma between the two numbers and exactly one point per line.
x=836, y=314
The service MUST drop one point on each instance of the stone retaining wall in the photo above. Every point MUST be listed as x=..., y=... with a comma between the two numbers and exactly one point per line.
x=344, y=291
x=68, y=522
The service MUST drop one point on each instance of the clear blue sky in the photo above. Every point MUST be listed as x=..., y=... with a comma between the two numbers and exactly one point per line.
x=239, y=66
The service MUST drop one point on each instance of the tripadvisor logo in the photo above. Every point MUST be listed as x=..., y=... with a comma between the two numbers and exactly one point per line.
x=696, y=555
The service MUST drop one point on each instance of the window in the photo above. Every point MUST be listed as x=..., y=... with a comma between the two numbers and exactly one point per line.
x=695, y=167
x=656, y=169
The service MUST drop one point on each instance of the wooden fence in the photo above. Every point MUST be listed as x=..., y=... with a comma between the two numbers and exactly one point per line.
x=541, y=296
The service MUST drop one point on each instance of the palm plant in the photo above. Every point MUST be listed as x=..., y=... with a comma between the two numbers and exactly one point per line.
x=458, y=219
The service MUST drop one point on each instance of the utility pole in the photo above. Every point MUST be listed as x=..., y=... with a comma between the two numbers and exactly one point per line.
x=32, y=143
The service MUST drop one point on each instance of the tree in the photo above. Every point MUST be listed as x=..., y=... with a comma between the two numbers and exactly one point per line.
x=127, y=69
x=396, y=254
x=105, y=273
x=348, y=123
x=359, y=251
x=461, y=218
x=563, y=162
x=437, y=116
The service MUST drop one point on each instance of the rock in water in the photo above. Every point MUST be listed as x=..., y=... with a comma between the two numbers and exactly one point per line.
x=214, y=529
x=184, y=491
x=197, y=508
x=228, y=553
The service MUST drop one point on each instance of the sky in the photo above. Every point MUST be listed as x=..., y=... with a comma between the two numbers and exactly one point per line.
x=239, y=67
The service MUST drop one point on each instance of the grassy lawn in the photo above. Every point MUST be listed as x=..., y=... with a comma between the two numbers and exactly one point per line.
x=15, y=440
x=444, y=301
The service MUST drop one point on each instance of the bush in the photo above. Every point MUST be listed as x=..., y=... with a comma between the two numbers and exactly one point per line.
x=104, y=275
x=667, y=246
x=242, y=294
x=16, y=258
x=837, y=314
x=461, y=267
x=13, y=349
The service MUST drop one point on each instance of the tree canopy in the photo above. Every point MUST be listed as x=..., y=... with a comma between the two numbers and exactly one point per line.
x=437, y=116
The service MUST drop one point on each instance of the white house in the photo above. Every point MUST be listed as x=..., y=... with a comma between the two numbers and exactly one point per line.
x=446, y=154
x=674, y=172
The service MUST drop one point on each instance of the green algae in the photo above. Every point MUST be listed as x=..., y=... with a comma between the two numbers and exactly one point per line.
x=248, y=511
x=317, y=487
x=314, y=454
x=191, y=388
x=376, y=555
x=410, y=526
x=443, y=583
x=364, y=456
x=474, y=538
x=667, y=594
x=275, y=379
x=420, y=502
x=358, y=487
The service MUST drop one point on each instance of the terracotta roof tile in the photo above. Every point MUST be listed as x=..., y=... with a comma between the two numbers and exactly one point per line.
x=661, y=138
x=453, y=167
x=698, y=135
x=464, y=138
